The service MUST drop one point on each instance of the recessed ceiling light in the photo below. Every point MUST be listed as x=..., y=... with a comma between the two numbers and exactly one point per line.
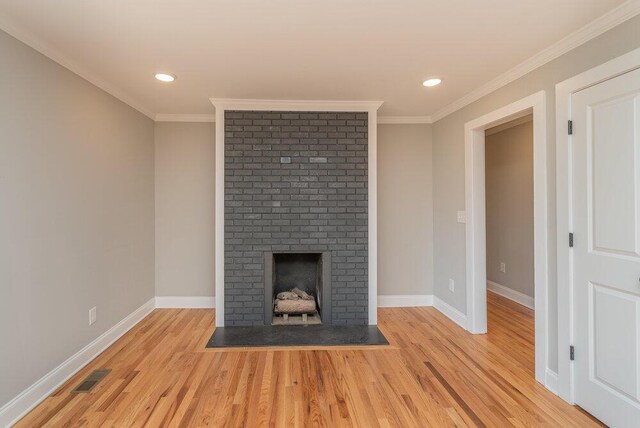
x=164, y=77
x=431, y=82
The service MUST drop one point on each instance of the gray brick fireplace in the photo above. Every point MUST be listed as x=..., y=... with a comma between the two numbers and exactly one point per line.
x=295, y=182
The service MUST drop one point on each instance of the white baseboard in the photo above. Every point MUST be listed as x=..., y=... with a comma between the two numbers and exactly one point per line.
x=450, y=312
x=404, y=300
x=510, y=294
x=185, y=302
x=400, y=301
x=551, y=381
x=15, y=409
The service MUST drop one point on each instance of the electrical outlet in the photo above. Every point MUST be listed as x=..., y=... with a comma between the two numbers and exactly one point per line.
x=92, y=315
x=503, y=267
x=462, y=217
x=452, y=285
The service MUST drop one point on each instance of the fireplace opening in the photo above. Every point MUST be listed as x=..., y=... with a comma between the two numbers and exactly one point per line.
x=296, y=287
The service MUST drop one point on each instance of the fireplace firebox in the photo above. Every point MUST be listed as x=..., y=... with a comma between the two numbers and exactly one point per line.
x=297, y=288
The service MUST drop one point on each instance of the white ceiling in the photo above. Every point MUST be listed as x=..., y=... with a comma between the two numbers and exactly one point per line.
x=303, y=49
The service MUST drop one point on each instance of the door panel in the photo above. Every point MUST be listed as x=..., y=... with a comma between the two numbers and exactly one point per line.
x=613, y=183
x=606, y=271
x=615, y=364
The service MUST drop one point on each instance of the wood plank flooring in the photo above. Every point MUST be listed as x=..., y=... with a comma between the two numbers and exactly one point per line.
x=433, y=374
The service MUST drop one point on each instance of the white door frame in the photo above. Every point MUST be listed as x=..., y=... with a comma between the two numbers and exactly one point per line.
x=476, y=246
x=371, y=107
x=564, y=90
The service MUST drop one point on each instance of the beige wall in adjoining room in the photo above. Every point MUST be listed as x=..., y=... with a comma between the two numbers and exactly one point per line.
x=509, y=207
x=185, y=208
x=76, y=214
x=449, y=174
x=405, y=210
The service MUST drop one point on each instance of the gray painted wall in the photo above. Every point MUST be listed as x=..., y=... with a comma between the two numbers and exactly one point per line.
x=509, y=207
x=405, y=210
x=448, y=161
x=184, y=179
x=76, y=214
x=185, y=208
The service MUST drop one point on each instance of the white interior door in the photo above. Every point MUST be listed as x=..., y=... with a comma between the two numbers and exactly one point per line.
x=606, y=269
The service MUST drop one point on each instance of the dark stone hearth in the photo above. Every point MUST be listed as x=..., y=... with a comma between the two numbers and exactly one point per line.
x=312, y=335
x=295, y=182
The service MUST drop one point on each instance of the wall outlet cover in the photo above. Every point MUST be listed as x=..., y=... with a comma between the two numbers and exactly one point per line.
x=452, y=285
x=92, y=315
x=462, y=217
x=503, y=267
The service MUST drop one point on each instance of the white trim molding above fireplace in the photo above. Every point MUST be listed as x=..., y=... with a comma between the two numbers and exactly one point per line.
x=370, y=107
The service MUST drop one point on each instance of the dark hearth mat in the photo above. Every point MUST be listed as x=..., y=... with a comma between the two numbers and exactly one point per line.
x=296, y=335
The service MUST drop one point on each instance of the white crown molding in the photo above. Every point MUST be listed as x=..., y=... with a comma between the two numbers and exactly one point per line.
x=403, y=120
x=183, y=302
x=185, y=117
x=404, y=300
x=55, y=55
x=615, y=17
x=294, y=105
x=15, y=409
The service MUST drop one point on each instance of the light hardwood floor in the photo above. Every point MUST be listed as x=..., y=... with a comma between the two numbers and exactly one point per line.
x=433, y=374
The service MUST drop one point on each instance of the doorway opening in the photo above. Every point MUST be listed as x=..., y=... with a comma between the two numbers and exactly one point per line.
x=509, y=234
x=533, y=106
